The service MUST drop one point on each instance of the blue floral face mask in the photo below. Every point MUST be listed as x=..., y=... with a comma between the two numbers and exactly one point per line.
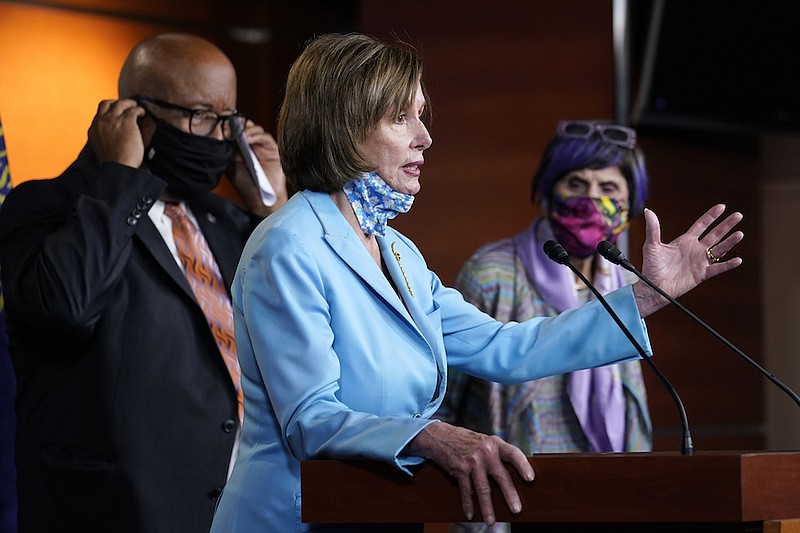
x=374, y=202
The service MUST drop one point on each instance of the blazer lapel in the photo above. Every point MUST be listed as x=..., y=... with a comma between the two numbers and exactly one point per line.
x=392, y=259
x=343, y=240
x=404, y=281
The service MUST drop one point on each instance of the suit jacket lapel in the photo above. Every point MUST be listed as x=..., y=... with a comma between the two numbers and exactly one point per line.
x=347, y=245
x=151, y=239
x=393, y=260
x=405, y=280
x=217, y=232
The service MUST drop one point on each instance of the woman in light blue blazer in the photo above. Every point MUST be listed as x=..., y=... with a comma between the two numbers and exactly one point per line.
x=345, y=336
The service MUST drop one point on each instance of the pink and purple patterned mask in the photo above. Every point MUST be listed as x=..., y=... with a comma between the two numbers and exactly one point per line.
x=580, y=222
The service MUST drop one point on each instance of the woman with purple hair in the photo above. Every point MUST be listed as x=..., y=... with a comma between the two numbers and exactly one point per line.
x=590, y=182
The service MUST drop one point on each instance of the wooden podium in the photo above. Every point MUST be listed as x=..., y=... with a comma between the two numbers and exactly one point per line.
x=709, y=491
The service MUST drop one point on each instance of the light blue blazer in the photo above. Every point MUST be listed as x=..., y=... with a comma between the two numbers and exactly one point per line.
x=338, y=362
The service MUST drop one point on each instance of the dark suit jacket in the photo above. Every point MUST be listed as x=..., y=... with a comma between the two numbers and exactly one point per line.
x=126, y=412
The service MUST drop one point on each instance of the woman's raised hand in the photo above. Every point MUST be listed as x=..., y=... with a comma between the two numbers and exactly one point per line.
x=681, y=265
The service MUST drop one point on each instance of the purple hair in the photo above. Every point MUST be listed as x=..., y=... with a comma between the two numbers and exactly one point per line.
x=564, y=155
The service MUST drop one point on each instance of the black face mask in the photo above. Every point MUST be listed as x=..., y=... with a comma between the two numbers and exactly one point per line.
x=191, y=165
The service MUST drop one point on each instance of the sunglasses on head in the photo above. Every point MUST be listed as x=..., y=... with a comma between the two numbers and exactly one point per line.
x=609, y=133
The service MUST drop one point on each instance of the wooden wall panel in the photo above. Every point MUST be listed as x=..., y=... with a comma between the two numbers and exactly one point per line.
x=723, y=395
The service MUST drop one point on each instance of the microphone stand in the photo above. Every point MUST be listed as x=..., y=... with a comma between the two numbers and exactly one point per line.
x=557, y=253
x=613, y=254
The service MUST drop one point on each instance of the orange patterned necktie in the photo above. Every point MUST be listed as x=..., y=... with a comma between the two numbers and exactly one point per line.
x=203, y=274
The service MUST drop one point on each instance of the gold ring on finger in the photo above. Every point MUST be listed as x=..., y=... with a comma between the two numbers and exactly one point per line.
x=710, y=255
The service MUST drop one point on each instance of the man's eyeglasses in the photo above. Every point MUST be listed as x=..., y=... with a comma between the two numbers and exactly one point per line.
x=201, y=121
x=609, y=133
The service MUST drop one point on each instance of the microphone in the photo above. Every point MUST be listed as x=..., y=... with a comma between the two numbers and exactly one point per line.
x=613, y=254
x=557, y=253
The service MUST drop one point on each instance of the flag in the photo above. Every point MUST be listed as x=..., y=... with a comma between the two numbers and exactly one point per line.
x=5, y=175
x=8, y=499
x=5, y=188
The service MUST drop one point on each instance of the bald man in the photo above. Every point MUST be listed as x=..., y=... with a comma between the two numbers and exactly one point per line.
x=128, y=396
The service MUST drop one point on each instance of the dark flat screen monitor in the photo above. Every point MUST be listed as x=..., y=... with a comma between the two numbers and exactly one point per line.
x=728, y=66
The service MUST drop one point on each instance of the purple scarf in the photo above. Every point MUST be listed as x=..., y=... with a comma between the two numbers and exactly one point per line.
x=596, y=394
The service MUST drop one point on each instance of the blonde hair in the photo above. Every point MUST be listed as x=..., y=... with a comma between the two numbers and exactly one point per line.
x=336, y=92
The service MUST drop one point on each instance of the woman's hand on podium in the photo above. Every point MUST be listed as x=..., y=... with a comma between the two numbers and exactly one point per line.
x=472, y=458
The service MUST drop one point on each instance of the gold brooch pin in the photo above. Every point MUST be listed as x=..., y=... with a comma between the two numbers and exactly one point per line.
x=403, y=272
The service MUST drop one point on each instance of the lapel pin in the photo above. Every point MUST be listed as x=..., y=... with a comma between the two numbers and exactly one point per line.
x=403, y=272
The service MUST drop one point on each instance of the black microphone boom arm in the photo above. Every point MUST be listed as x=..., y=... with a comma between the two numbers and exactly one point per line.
x=613, y=254
x=557, y=253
